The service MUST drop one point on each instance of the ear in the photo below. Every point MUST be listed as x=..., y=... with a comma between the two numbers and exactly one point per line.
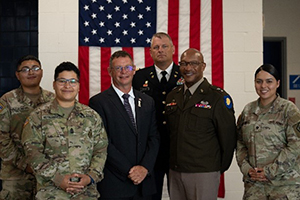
x=134, y=69
x=203, y=66
x=17, y=75
x=173, y=49
x=109, y=71
x=278, y=84
x=150, y=51
x=53, y=85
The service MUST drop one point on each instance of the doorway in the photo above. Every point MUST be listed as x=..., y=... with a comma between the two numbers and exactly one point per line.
x=274, y=52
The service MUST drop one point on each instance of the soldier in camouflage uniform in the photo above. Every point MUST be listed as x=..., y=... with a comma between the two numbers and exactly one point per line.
x=65, y=142
x=15, y=106
x=268, y=152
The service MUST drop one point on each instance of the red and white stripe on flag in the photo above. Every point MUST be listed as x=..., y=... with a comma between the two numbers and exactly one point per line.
x=190, y=23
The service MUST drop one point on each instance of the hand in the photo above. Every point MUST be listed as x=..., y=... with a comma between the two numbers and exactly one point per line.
x=137, y=174
x=75, y=187
x=257, y=174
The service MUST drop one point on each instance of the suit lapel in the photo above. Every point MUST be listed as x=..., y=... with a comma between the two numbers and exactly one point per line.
x=120, y=107
x=152, y=77
x=178, y=97
x=138, y=110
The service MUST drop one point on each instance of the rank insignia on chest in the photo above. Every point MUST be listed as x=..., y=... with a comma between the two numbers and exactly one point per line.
x=227, y=101
x=203, y=104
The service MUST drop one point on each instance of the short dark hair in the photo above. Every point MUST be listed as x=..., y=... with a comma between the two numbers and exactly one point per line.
x=66, y=66
x=25, y=58
x=118, y=54
x=160, y=35
x=270, y=69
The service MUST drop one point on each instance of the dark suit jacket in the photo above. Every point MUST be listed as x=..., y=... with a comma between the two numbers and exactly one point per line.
x=146, y=81
x=127, y=147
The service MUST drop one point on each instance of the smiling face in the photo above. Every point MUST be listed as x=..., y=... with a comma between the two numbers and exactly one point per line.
x=266, y=86
x=65, y=92
x=30, y=79
x=121, y=74
x=192, y=73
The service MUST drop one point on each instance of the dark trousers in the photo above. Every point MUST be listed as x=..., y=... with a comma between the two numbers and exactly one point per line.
x=159, y=181
x=138, y=196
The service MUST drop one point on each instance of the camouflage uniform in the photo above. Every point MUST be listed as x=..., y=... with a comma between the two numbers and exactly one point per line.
x=57, y=146
x=15, y=107
x=270, y=138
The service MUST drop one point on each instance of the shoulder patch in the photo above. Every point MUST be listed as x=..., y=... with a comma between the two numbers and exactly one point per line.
x=1, y=107
x=227, y=101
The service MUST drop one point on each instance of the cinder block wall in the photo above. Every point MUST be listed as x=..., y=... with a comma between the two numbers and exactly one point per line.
x=58, y=41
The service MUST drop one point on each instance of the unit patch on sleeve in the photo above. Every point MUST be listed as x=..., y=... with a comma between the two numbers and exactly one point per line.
x=227, y=101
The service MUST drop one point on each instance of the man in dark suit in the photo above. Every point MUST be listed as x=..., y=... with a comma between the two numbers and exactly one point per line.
x=129, y=118
x=157, y=81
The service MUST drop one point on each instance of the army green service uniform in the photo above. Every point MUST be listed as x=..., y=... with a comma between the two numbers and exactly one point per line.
x=269, y=138
x=203, y=132
x=15, y=107
x=58, y=145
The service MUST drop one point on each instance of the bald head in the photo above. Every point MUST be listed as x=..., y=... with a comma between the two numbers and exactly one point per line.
x=194, y=52
x=192, y=66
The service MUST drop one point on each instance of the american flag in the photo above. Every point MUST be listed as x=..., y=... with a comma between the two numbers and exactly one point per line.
x=106, y=26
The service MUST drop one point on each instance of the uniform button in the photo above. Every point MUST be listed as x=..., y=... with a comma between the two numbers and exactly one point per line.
x=164, y=122
x=163, y=102
x=71, y=130
x=164, y=92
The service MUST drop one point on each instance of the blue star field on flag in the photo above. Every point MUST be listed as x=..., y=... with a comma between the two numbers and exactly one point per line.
x=117, y=23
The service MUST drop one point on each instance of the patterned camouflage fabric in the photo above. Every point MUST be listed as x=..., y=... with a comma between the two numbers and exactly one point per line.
x=14, y=109
x=270, y=138
x=57, y=146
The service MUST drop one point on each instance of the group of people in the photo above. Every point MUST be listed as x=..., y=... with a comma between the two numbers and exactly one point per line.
x=165, y=120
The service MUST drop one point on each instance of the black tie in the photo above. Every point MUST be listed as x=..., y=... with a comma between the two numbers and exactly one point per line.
x=163, y=80
x=187, y=96
x=128, y=109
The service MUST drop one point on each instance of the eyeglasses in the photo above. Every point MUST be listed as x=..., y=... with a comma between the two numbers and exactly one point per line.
x=27, y=69
x=193, y=64
x=126, y=68
x=62, y=81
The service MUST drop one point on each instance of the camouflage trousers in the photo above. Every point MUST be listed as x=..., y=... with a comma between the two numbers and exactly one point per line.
x=18, y=189
x=54, y=193
x=265, y=191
